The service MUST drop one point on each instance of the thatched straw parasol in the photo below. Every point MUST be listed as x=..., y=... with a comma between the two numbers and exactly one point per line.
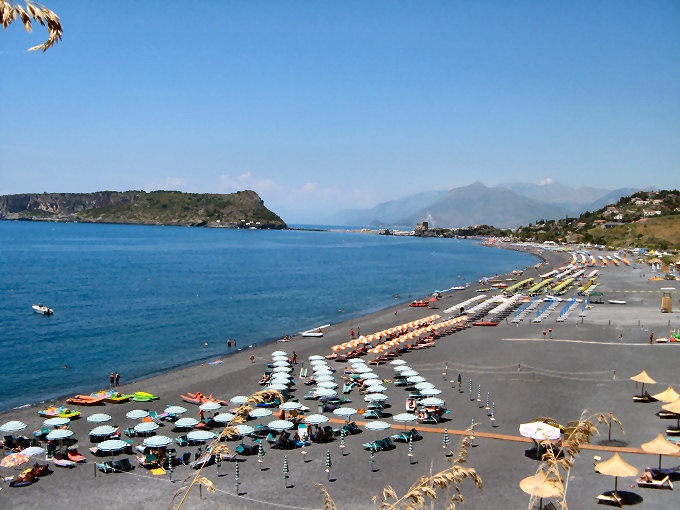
x=673, y=407
x=667, y=395
x=643, y=377
x=660, y=445
x=616, y=467
x=540, y=486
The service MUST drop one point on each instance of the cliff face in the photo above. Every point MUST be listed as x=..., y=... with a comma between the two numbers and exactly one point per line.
x=243, y=209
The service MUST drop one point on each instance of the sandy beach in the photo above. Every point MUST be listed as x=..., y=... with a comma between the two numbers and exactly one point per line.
x=585, y=363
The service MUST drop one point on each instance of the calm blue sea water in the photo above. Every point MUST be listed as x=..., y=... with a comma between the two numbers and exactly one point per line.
x=142, y=300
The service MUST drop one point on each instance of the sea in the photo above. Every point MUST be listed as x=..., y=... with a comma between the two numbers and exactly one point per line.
x=143, y=300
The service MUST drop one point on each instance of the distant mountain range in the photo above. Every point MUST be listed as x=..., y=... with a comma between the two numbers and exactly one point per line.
x=505, y=206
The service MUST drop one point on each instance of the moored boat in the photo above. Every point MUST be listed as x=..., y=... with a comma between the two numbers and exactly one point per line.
x=42, y=309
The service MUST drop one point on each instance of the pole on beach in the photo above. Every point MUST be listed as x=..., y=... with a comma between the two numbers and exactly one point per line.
x=446, y=440
x=237, y=478
x=492, y=418
x=472, y=435
x=342, y=442
x=488, y=395
x=285, y=471
x=479, y=393
x=470, y=391
x=260, y=455
x=410, y=449
x=371, y=460
x=329, y=464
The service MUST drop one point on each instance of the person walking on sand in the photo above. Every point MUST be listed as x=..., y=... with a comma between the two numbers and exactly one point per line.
x=294, y=358
x=117, y=379
x=651, y=338
x=112, y=379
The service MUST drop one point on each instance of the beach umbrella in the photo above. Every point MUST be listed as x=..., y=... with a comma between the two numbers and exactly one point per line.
x=175, y=410
x=244, y=429
x=260, y=412
x=316, y=419
x=673, y=407
x=375, y=397
x=430, y=392
x=157, y=441
x=643, y=377
x=661, y=446
x=32, y=451
x=372, y=382
x=345, y=412
x=397, y=362
x=281, y=425
x=616, y=467
x=14, y=460
x=403, y=368
x=277, y=386
x=285, y=470
x=376, y=388
x=103, y=430
x=324, y=378
x=223, y=417
x=539, y=431
x=423, y=385
x=281, y=364
x=201, y=435
x=322, y=372
x=59, y=434
x=13, y=426
x=432, y=401
x=186, y=423
x=377, y=426
x=280, y=358
x=316, y=362
x=327, y=384
x=404, y=418
x=409, y=373
x=290, y=406
x=210, y=405
x=362, y=369
x=137, y=414
x=667, y=395
x=315, y=357
x=146, y=427
x=279, y=353
x=415, y=379
x=539, y=486
x=238, y=399
x=98, y=418
x=325, y=392
x=369, y=375
x=57, y=421
x=281, y=370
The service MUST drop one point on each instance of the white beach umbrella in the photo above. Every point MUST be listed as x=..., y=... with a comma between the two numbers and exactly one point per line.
x=290, y=406
x=103, y=430
x=278, y=370
x=175, y=410
x=404, y=417
x=316, y=357
x=57, y=421
x=362, y=369
x=244, y=429
x=402, y=368
x=157, y=441
x=375, y=397
x=13, y=426
x=238, y=399
x=316, y=419
x=210, y=405
x=369, y=375
x=397, y=362
x=324, y=378
x=540, y=431
x=281, y=425
x=279, y=353
x=408, y=373
x=378, y=388
x=223, y=418
x=277, y=387
x=430, y=392
x=281, y=375
x=416, y=379
x=377, y=426
x=325, y=392
x=260, y=412
x=145, y=427
x=186, y=423
x=345, y=412
x=280, y=358
x=432, y=401
x=424, y=385
x=281, y=364
x=32, y=451
x=137, y=414
x=323, y=371
x=326, y=384
x=58, y=434
x=98, y=418
x=112, y=445
x=201, y=435
x=372, y=382
x=318, y=362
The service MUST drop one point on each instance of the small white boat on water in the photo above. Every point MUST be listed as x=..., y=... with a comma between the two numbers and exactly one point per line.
x=616, y=301
x=42, y=309
x=314, y=332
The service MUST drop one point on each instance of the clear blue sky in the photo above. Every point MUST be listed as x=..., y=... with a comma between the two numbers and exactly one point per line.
x=320, y=106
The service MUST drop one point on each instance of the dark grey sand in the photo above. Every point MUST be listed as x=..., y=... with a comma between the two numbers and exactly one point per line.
x=583, y=367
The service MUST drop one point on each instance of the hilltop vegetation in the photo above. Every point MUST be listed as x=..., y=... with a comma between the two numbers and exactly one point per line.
x=648, y=219
x=243, y=209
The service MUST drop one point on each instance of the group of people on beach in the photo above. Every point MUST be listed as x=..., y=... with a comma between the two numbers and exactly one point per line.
x=114, y=379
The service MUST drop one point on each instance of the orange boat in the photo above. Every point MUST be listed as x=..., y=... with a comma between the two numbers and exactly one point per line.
x=199, y=398
x=85, y=400
x=419, y=302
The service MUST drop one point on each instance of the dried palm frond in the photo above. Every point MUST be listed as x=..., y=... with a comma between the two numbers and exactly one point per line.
x=11, y=11
x=221, y=449
x=427, y=488
x=328, y=503
x=265, y=396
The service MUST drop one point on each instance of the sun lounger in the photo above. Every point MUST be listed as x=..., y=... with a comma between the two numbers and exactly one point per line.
x=660, y=473
x=645, y=398
x=64, y=463
x=75, y=456
x=664, y=483
x=106, y=467
x=610, y=498
x=204, y=460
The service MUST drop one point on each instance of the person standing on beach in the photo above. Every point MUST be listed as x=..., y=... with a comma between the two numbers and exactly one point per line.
x=294, y=358
x=112, y=379
x=651, y=338
x=117, y=379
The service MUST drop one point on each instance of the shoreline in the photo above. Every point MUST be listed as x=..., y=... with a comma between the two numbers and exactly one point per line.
x=266, y=343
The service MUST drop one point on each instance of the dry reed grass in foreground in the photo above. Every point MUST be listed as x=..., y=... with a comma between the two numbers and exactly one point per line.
x=11, y=11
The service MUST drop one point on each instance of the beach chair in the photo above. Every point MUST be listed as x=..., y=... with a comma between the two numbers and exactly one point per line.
x=387, y=444
x=130, y=432
x=106, y=467
x=664, y=483
x=75, y=456
x=609, y=498
x=372, y=446
x=182, y=441
x=64, y=463
x=125, y=465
